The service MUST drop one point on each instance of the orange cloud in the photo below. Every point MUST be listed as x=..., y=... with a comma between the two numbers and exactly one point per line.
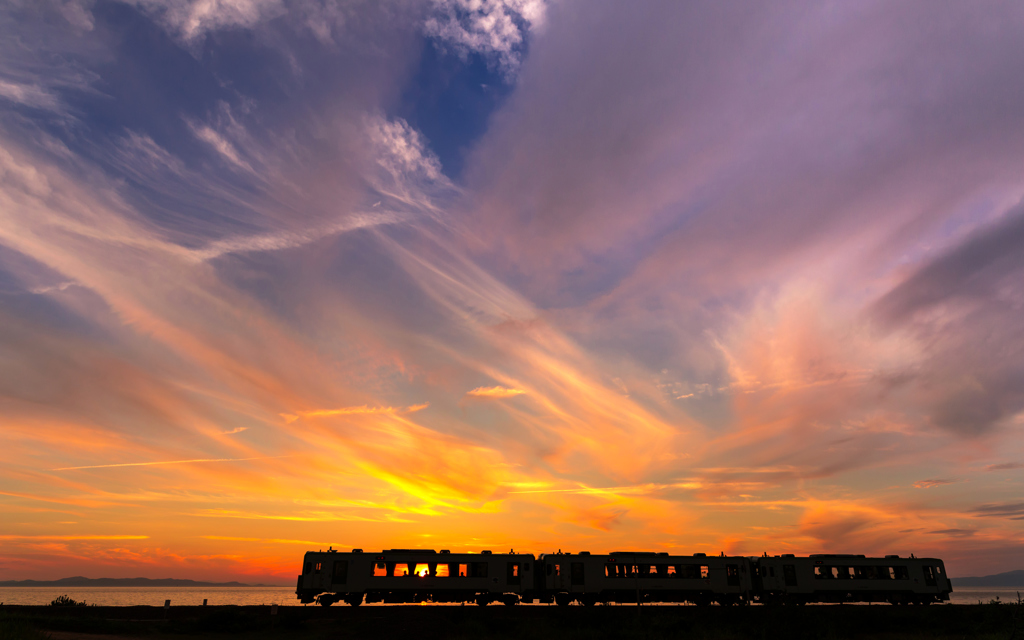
x=350, y=411
x=935, y=482
x=166, y=462
x=495, y=392
x=34, y=537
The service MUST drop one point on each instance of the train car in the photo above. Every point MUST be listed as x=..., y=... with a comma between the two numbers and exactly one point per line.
x=424, y=575
x=415, y=575
x=824, y=578
x=639, y=577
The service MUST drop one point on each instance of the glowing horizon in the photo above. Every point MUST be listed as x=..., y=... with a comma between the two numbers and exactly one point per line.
x=535, y=274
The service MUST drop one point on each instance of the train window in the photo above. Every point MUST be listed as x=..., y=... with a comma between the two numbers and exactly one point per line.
x=442, y=571
x=401, y=569
x=670, y=570
x=380, y=570
x=789, y=573
x=902, y=573
x=704, y=571
x=929, y=576
x=938, y=570
x=689, y=571
x=609, y=571
x=318, y=566
x=463, y=570
x=577, y=573
x=558, y=569
x=819, y=573
x=479, y=569
x=421, y=570
x=763, y=571
x=340, y=572
x=663, y=570
x=513, y=576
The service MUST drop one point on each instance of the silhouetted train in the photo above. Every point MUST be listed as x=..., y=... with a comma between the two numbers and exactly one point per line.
x=421, y=575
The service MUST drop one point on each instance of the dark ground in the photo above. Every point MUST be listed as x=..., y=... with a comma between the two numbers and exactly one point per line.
x=1005, y=622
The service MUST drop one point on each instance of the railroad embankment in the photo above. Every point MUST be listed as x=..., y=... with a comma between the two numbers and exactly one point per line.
x=426, y=622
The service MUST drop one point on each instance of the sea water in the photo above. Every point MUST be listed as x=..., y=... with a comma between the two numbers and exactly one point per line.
x=153, y=596
x=248, y=596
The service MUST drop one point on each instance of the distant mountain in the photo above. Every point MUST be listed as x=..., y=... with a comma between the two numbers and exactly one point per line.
x=79, y=581
x=1008, y=579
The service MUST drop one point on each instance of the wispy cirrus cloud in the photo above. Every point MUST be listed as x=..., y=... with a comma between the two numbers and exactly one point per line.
x=932, y=483
x=192, y=19
x=166, y=462
x=86, y=537
x=29, y=95
x=354, y=411
x=1005, y=466
x=1011, y=510
x=495, y=392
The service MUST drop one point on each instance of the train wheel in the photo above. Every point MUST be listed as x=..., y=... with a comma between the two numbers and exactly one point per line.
x=354, y=601
x=562, y=599
x=510, y=600
x=483, y=601
x=325, y=601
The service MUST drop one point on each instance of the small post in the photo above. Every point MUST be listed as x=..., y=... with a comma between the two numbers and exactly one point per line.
x=167, y=608
x=273, y=612
x=204, y=602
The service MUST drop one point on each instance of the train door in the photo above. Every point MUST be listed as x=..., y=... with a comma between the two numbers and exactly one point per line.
x=757, y=574
x=340, y=574
x=732, y=574
x=556, y=575
x=514, y=574
x=789, y=574
x=577, y=576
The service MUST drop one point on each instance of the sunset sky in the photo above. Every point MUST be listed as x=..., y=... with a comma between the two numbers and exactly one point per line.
x=709, y=276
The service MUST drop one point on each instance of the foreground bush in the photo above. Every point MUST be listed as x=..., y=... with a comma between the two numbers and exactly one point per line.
x=65, y=601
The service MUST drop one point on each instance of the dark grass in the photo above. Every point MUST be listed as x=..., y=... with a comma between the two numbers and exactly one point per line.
x=521, y=623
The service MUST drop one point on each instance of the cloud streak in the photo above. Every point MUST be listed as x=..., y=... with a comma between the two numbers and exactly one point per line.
x=166, y=462
x=495, y=392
